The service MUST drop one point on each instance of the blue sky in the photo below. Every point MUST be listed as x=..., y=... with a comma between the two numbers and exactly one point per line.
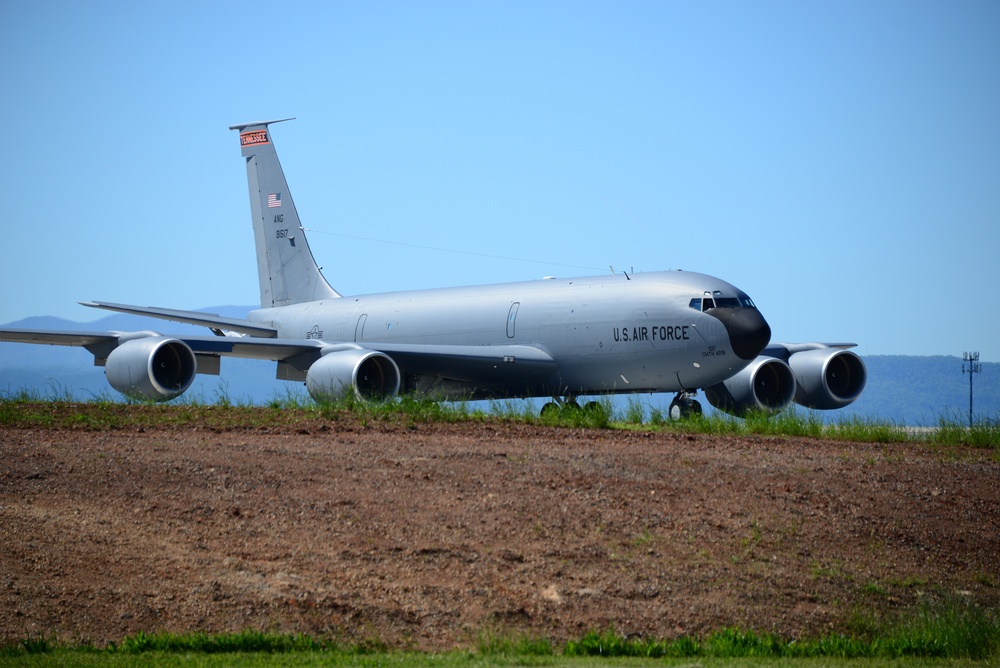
x=839, y=161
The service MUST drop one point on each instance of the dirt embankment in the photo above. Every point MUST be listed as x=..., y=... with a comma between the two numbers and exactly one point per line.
x=426, y=535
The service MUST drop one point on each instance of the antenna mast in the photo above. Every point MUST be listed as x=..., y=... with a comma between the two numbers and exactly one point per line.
x=971, y=365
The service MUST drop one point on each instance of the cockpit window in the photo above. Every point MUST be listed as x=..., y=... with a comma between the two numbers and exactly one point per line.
x=716, y=300
x=702, y=304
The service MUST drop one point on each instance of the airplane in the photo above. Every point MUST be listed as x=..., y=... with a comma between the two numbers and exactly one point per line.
x=667, y=331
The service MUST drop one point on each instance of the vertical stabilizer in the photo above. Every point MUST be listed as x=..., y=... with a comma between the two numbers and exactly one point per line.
x=288, y=272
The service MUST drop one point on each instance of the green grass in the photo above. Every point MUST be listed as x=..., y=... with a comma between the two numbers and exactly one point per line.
x=245, y=641
x=34, y=410
x=946, y=630
x=952, y=629
x=985, y=433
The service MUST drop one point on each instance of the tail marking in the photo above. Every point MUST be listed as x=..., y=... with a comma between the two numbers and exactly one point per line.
x=286, y=268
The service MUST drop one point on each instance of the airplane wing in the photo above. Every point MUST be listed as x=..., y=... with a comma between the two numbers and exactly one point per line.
x=462, y=367
x=466, y=362
x=102, y=343
x=216, y=323
x=452, y=360
x=460, y=361
x=414, y=357
x=98, y=343
x=453, y=363
x=67, y=338
x=786, y=350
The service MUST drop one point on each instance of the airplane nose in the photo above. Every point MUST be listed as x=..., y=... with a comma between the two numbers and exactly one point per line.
x=748, y=331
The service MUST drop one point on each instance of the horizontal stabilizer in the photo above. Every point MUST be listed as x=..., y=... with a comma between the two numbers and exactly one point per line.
x=244, y=126
x=210, y=320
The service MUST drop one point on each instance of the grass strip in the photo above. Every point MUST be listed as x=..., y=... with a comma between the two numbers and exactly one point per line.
x=947, y=630
x=29, y=410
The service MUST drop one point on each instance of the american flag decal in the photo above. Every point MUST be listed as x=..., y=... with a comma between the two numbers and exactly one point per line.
x=274, y=200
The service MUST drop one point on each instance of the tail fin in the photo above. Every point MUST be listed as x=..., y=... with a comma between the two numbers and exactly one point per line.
x=288, y=272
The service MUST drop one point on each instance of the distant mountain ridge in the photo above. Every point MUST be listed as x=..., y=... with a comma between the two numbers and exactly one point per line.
x=908, y=390
x=914, y=390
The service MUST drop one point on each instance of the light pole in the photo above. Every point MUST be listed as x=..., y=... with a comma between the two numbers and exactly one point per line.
x=971, y=365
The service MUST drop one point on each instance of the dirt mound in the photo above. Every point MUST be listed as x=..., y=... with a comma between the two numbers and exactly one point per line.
x=426, y=535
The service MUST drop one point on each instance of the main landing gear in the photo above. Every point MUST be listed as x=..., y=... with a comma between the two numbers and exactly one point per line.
x=684, y=405
x=569, y=403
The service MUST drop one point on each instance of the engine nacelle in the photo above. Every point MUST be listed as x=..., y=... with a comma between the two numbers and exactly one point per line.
x=767, y=386
x=827, y=378
x=368, y=373
x=154, y=368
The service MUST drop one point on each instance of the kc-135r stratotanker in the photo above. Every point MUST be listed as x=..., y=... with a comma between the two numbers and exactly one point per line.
x=674, y=331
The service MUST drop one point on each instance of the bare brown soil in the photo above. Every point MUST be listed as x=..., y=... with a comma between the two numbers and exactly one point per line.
x=426, y=536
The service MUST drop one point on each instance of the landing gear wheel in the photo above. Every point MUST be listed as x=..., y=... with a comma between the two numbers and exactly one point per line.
x=597, y=412
x=567, y=403
x=684, y=406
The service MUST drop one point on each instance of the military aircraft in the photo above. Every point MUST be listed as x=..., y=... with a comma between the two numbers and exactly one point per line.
x=670, y=331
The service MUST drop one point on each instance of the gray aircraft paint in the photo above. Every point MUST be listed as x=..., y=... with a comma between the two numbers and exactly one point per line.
x=288, y=273
x=609, y=333
x=573, y=321
x=560, y=337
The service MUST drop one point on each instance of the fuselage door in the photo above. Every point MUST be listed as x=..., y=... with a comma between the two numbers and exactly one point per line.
x=359, y=329
x=511, y=317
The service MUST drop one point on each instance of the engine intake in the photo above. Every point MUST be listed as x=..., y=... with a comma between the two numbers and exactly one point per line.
x=767, y=386
x=827, y=378
x=369, y=374
x=153, y=368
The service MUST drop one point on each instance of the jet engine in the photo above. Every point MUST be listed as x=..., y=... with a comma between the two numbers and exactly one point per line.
x=823, y=377
x=155, y=368
x=370, y=374
x=767, y=385
x=827, y=378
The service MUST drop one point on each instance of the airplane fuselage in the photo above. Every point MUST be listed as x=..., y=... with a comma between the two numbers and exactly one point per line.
x=608, y=334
